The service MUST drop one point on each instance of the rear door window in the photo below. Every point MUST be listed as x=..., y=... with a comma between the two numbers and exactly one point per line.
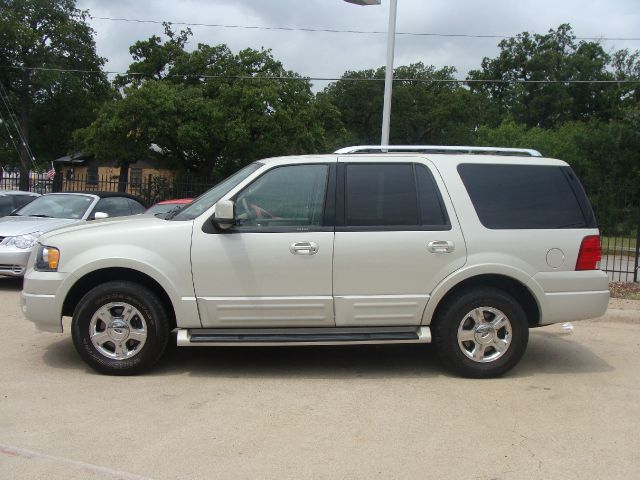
x=136, y=207
x=22, y=200
x=113, y=206
x=392, y=196
x=526, y=196
x=380, y=195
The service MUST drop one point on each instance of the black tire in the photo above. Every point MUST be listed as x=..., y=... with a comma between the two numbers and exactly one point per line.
x=150, y=316
x=453, y=316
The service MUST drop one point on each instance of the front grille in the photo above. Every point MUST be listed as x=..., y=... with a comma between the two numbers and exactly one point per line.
x=17, y=269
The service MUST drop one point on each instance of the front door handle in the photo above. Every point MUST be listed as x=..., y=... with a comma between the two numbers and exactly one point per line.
x=441, y=246
x=304, y=248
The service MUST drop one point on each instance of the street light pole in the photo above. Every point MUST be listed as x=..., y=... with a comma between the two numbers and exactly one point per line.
x=388, y=77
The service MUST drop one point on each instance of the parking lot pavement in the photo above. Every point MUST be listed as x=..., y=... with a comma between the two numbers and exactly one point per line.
x=571, y=409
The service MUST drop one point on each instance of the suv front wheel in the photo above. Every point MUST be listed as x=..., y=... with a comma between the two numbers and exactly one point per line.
x=120, y=328
x=481, y=333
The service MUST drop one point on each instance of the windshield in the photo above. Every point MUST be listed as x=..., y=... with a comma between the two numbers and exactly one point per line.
x=57, y=206
x=205, y=201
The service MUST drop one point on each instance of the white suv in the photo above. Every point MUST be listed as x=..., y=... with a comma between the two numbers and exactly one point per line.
x=466, y=247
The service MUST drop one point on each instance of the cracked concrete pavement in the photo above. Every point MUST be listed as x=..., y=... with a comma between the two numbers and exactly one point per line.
x=570, y=409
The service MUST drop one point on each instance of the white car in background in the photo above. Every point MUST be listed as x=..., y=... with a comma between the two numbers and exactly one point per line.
x=21, y=229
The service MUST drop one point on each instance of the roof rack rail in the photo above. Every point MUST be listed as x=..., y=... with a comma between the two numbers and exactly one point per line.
x=438, y=149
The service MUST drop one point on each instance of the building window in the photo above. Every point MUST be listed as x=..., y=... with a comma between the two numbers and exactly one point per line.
x=136, y=177
x=92, y=175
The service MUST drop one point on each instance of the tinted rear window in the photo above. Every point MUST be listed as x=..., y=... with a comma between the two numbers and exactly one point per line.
x=393, y=196
x=526, y=196
x=381, y=194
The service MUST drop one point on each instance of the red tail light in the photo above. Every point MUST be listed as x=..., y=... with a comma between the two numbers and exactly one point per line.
x=589, y=255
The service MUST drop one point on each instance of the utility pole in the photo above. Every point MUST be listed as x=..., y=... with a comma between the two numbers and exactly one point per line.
x=388, y=77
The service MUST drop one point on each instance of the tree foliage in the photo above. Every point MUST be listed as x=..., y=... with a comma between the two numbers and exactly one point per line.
x=49, y=104
x=208, y=110
x=554, y=57
x=594, y=126
x=424, y=109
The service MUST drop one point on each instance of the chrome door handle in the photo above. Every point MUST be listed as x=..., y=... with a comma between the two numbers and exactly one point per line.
x=441, y=246
x=304, y=248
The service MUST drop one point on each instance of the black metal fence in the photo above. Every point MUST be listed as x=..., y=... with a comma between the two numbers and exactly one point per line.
x=617, y=208
x=150, y=188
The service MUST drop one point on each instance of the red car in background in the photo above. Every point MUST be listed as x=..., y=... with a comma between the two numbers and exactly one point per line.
x=162, y=208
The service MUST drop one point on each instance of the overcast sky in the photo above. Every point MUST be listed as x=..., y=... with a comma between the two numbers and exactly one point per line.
x=331, y=54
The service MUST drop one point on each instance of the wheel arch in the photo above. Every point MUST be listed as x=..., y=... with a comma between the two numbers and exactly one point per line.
x=513, y=286
x=96, y=277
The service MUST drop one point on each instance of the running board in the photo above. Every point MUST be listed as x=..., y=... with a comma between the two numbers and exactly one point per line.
x=207, y=337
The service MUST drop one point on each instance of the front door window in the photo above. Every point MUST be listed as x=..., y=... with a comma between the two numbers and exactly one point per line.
x=284, y=197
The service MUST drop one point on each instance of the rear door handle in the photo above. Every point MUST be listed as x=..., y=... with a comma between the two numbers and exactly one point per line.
x=304, y=248
x=441, y=246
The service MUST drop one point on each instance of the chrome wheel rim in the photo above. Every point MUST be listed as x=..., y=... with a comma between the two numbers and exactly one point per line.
x=118, y=330
x=484, y=334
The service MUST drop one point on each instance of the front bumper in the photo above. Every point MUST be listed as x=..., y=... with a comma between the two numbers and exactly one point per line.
x=13, y=261
x=38, y=308
x=40, y=302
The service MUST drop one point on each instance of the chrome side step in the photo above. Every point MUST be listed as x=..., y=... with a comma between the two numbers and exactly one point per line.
x=206, y=337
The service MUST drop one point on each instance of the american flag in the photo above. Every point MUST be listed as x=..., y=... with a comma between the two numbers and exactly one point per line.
x=50, y=173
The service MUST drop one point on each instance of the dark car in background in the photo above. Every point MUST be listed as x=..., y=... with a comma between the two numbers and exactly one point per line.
x=13, y=199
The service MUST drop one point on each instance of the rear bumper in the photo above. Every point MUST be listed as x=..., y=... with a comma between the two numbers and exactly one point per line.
x=570, y=296
x=570, y=306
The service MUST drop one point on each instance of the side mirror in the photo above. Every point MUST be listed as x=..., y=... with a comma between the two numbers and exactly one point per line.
x=224, y=218
x=100, y=215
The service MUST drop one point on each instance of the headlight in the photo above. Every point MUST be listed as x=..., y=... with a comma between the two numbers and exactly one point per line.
x=24, y=242
x=47, y=259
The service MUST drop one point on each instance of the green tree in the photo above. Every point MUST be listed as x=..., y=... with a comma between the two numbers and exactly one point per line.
x=209, y=111
x=426, y=109
x=49, y=105
x=597, y=150
x=554, y=57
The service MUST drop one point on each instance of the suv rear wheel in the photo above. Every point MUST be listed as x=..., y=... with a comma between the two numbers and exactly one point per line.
x=481, y=333
x=120, y=328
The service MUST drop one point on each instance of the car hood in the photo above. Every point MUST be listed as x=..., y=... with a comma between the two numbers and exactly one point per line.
x=12, y=226
x=115, y=222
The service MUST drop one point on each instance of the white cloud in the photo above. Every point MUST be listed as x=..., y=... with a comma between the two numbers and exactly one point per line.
x=331, y=54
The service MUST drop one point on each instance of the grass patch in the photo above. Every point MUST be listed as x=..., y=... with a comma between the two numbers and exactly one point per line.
x=617, y=245
x=626, y=290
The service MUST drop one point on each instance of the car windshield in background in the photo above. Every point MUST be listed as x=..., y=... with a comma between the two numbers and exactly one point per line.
x=57, y=206
x=205, y=201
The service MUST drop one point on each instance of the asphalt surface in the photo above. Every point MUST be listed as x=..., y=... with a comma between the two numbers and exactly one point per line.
x=570, y=409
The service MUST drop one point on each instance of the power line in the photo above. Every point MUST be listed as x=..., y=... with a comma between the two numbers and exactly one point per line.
x=348, y=31
x=326, y=79
x=13, y=141
x=4, y=96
